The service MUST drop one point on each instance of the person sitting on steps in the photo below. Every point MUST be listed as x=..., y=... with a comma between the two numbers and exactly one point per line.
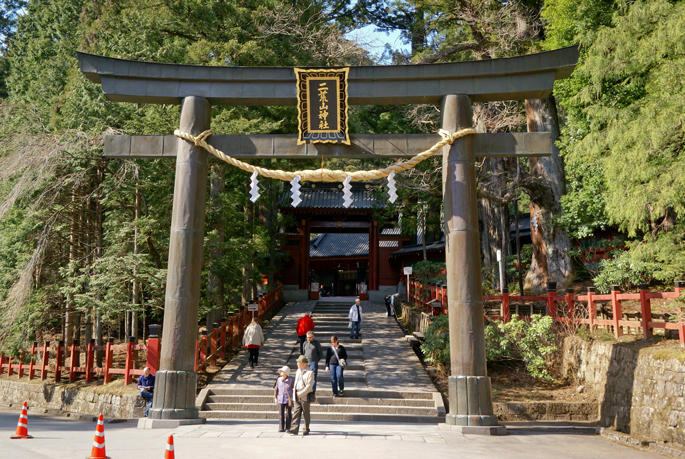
x=146, y=386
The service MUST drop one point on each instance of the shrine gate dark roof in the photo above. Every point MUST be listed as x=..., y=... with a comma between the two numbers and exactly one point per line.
x=332, y=198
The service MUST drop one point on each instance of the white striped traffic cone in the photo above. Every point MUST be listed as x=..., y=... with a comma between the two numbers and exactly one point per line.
x=22, y=431
x=98, y=449
x=169, y=453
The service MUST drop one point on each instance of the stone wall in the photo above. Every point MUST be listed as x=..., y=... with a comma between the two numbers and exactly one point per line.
x=418, y=321
x=545, y=411
x=640, y=388
x=81, y=400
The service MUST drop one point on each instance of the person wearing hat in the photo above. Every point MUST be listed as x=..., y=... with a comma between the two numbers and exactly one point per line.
x=304, y=383
x=283, y=395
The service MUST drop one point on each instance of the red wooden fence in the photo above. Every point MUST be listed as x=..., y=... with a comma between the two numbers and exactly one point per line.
x=422, y=295
x=50, y=359
x=216, y=341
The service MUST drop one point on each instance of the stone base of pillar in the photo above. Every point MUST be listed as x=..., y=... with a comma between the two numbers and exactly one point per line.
x=147, y=423
x=174, y=396
x=470, y=402
x=474, y=430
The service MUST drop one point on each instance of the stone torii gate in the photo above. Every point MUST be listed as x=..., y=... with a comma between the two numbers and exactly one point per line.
x=453, y=85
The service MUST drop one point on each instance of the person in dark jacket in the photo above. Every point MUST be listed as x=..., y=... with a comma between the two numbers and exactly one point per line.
x=146, y=386
x=336, y=357
x=314, y=353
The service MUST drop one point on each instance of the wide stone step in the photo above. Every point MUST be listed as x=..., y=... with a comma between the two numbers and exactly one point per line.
x=348, y=375
x=332, y=408
x=241, y=399
x=346, y=417
x=359, y=393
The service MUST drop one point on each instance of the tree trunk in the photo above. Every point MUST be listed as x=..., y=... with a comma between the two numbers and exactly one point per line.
x=136, y=284
x=247, y=267
x=70, y=312
x=491, y=216
x=214, y=282
x=99, y=220
x=550, y=245
x=272, y=226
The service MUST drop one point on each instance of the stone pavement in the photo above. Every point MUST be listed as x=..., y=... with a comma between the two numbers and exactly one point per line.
x=61, y=438
x=384, y=381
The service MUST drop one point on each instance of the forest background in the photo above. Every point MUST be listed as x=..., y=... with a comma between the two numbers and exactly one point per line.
x=84, y=240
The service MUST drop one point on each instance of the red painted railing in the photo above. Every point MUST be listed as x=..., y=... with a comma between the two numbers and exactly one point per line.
x=48, y=359
x=422, y=296
x=214, y=343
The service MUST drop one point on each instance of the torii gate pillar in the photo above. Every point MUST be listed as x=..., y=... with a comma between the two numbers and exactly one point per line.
x=176, y=382
x=470, y=399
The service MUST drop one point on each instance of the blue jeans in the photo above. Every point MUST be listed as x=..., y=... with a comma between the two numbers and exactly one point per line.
x=148, y=398
x=314, y=366
x=337, y=379
x=355, y=326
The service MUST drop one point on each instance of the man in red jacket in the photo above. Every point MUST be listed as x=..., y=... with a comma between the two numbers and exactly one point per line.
x=304, y=325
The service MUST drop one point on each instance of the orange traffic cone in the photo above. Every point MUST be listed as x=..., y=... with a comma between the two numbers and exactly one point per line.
x=98, y=450
x=23, y=425
x=169, y=453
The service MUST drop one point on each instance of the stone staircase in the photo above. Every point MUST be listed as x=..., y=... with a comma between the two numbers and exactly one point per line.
x=362, y=401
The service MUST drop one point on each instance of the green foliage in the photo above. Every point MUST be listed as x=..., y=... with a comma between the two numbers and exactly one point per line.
x=51, y=105
x=625, y=132
x=526, y=259
x=532, y=341
x=429, y=271
x=622, y=272
x=436, y=347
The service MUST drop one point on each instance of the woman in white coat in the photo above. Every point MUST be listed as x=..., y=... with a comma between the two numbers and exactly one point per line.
x=252, y=340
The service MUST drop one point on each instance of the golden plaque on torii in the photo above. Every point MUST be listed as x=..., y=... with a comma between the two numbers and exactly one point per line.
x=322, y=106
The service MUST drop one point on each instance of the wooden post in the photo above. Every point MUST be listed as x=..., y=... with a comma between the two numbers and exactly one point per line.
x=242, y=320
x=176, y=383
x=374, y=257
x=203, y=351
x=570, y=305
x=10, y=368
x=90, y=360
x=616, y=311
x=72, y=360
x=32, y=369
x=470, y=394
x=215, y=333
x=591, y=307
x=44, y=363
x=222, y=339
x=2, y=363
x=506, y=313
x=551, y=302
x=109, y=357
x=20, y=371
x=304, y=255
x=679, y=288
x=129, y=360
x=59, y=360
x=152, y=361
x=646, y=309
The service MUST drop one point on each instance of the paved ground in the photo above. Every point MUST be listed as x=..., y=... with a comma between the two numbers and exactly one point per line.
x=60, y=438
